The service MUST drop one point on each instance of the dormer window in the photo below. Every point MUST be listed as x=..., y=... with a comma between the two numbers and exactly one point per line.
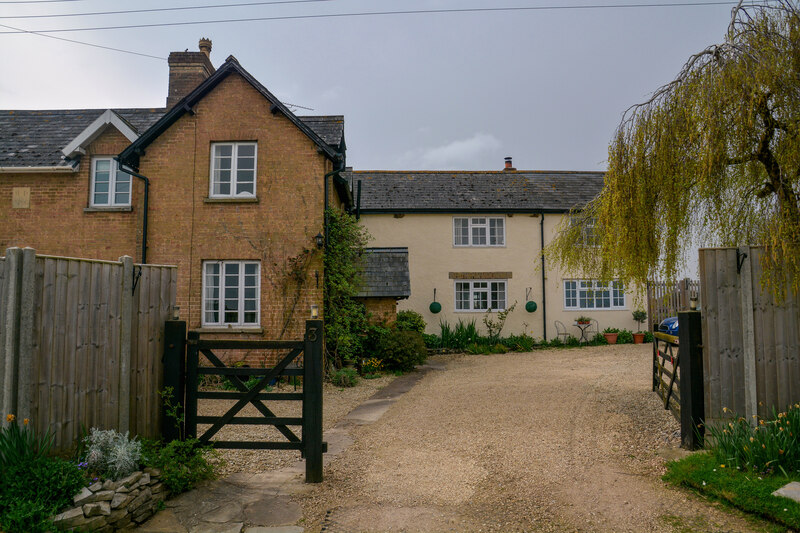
x=111, y=187
x=233, y=170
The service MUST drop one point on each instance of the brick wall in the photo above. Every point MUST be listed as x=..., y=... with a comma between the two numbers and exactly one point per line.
x=188, y=228
x=56, y=222
x=185, y=228
x=381, y=309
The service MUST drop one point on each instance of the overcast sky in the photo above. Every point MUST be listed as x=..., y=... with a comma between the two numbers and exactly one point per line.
x=418, y=91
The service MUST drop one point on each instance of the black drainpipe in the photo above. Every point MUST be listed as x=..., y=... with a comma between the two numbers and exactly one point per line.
x=325, y=207
x=146, y=181
x=544, y=285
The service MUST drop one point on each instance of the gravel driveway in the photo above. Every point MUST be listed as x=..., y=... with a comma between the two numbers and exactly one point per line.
x=554, y=440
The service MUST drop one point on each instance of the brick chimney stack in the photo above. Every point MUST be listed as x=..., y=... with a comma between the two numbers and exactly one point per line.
x=187, y=70
x=509, y=167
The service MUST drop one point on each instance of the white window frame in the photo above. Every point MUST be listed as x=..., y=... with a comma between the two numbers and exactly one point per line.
x=474, y=222
x=113, y=173
x=212, y=176
x=588, y=228
x=578, y=292
x=475, y=287
x=220, y=298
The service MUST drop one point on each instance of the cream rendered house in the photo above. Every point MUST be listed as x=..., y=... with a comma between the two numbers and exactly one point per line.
x=474, y=244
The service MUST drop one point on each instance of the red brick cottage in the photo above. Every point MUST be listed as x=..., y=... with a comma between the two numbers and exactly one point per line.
x=234, y=183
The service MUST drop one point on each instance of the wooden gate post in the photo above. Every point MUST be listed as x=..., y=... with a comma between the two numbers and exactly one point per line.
x=174, y=378
x=192, y=361
x=691, y=380
x=312, y=401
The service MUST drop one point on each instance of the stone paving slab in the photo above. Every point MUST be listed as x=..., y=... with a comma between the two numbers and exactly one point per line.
x=791, y=491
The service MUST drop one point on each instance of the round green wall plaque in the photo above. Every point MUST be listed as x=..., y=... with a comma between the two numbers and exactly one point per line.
x=435, y=307
x=530, y=307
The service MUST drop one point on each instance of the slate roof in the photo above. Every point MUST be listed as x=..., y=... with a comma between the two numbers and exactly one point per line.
x=35, y=138
x=329, y=128
x=465, y=191
x=386, y=273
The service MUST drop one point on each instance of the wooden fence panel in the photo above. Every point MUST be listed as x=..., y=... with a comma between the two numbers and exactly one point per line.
x=76, y=341
x=665, y=299
x=775, y=336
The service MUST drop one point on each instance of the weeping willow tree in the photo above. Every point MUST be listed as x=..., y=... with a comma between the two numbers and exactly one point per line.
x=714, y=153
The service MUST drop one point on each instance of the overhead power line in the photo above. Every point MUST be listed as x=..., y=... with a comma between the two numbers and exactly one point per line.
x=19, y=30
x=162, y=9
x=384, y=13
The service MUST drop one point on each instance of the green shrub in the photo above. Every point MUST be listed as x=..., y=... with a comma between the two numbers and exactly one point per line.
x=410, y=321
x=344, y=377
x=402, y=350
x=183, y=464
x=556, y=342
x=598, y=339
x=773, y=446
x=519, y=343
x=33, y=490
x=611, y=330
x=625, y=337
x=373, y=338
x=648, y=336
x=112, y=454
x=432, y=341
x=572, y=341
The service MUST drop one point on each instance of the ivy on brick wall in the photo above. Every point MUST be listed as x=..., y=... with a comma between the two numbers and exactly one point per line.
x=345, y=317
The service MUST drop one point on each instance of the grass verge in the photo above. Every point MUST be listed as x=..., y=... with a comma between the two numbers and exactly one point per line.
x=747, y=491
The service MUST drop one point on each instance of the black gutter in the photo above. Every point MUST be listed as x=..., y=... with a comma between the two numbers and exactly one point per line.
x=440, y=210
x=544, y=284
x=146, y=181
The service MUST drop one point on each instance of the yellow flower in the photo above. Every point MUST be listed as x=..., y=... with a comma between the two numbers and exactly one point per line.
x=722, y=466
x=10, y=418
x=724, y=409
x=764, y=446
x=25, y=422
x=761, y=422
x=780, y=452
x=752, y=439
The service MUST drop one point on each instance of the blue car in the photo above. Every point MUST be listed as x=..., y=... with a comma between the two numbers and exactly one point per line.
x=669, y=326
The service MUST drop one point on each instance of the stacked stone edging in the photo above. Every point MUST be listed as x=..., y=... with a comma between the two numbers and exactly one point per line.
x=110, y=506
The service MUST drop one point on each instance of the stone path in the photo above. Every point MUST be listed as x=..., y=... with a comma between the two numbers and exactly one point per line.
x=261, y=503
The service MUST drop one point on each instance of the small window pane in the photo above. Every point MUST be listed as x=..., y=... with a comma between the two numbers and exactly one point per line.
x=247, y=150
x=478, y=235
x=101, y=186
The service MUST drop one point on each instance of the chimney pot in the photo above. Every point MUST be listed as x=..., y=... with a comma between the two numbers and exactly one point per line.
x=508, y=164
x=205, y=46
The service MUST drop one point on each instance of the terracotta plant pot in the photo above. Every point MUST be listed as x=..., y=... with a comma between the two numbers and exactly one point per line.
x=611, y=338
x=638, y=338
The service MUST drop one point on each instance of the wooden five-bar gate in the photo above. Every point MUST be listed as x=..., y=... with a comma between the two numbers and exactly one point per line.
x=678, y=376
x=303, y=359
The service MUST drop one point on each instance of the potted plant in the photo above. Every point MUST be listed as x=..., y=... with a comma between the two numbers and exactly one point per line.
x=583, y=320
x=611, y=335
x=639, y=316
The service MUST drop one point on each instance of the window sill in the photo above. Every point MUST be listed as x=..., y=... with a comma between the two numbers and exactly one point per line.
x=253, y=200
x=112, y=209
x=231, y=329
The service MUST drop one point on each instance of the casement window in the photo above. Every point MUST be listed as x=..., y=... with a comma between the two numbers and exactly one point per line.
x=480, y=295
x=592, y=294
x=588, y=229
x=111, y=187
x=231, y=293
x=233, y=170
x=479, y=231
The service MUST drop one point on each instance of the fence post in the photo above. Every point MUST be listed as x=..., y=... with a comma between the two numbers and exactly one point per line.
x=192, y=360
x=26, y=318
x=748, y=334
x=312, y=401
x=126, y=324
x=174, y=374
x=9, y=334
x=691, y=379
